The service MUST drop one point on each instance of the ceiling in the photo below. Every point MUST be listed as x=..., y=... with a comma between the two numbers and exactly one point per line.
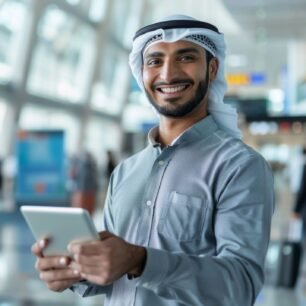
x=258, y=33
x=270, y=19
x=270, y=30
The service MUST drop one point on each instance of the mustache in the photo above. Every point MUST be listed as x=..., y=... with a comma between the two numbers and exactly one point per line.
x=173, y=82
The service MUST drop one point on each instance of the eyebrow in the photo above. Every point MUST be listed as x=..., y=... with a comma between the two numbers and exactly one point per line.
x=178, y=52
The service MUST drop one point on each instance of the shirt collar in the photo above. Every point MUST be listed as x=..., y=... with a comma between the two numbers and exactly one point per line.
x=152, y=136
x=199, y=130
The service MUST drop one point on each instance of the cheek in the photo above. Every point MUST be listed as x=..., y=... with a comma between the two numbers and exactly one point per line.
x=147, y=78
x=146, y=75
x=200, y=77
x=196, y=74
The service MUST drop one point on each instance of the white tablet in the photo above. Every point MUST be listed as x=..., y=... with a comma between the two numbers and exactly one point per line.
x=61, y=225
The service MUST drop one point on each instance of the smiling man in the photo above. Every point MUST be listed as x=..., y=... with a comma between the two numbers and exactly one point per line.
x=187, y=219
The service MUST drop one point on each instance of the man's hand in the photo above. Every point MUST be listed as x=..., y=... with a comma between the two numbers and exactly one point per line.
x=55, y=271
x=104, y=261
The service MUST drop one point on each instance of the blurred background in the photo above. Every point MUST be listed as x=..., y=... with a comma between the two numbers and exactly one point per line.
x=70, y=110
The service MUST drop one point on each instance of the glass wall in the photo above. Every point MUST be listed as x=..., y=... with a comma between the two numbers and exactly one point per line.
x=94, y=9
x=62, y=58
x=109, y=92
x=103, y=135
x=12, y=21
x=3, y=113
x=34, y=117
x=60, y=65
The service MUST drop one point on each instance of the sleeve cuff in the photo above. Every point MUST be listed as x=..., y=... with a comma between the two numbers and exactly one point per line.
x=86, y=289
x=80, y=288
x=156, y=269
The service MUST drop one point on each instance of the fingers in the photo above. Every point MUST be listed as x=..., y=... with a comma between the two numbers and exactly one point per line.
x=60, y=286
x=59, y=278
x=47, y=263
x=94, y=247
x=88, y=260
x=38, y=247
x=85, y=248
x=59, y=275
x=100, y=274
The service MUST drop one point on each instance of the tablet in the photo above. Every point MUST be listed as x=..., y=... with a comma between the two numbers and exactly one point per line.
x=61, y=225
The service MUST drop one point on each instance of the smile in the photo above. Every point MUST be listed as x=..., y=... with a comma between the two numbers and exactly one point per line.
x=172, y=89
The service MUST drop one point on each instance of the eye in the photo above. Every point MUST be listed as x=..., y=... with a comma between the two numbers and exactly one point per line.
x=186, y=58
x=153, y=62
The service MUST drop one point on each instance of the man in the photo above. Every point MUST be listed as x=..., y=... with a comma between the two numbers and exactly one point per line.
x=187, y=220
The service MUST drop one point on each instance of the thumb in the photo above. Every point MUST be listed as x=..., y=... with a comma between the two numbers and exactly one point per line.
x=105, y=235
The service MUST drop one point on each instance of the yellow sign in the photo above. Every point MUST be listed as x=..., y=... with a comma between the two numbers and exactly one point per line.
x=238, y=79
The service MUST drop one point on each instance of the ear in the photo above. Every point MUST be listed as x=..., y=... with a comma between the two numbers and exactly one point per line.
x=213, y=68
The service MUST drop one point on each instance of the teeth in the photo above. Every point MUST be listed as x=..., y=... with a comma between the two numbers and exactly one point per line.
x=172, y=89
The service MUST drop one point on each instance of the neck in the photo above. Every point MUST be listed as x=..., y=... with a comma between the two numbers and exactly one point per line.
x=171, y=128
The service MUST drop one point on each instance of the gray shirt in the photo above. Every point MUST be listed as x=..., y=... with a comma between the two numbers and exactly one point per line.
x=202, y=207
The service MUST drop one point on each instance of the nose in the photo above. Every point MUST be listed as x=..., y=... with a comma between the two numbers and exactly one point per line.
x=169, y=71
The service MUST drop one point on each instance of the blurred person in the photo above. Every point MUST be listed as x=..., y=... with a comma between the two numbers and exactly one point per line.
x=71, y=184
x=1, y=177
x=187, y=219
x=9, y=174
x=299, y=210
x=110, y=163
x=84, y=174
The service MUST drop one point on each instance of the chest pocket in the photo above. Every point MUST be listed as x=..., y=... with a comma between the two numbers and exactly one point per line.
x=183, y=217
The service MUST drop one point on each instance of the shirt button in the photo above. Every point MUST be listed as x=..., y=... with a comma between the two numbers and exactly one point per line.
x=149, y=203
x=161, y=162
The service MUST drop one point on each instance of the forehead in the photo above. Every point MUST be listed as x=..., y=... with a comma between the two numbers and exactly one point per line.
x=173, y=47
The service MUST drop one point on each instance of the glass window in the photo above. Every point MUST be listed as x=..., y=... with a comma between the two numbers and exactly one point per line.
x=12, y=20
x=119, y=19
x=102, y=135
x=3, y=111
x=83, y=5
x=94, y=8
x=46, y=118
x=125, y=20
x=62, y=58
x=2, y=114
x=7, y=116
x=133, y=22
x=98, y=9
x=110, y=91
x=73, y=2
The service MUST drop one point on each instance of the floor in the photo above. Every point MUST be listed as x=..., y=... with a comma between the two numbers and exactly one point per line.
x=20, y=286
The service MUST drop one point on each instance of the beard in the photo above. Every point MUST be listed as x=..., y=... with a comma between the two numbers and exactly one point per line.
x=176, y=111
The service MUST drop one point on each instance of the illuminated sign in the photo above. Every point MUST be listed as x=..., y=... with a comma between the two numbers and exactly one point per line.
x=41, y=167
x=242, y=79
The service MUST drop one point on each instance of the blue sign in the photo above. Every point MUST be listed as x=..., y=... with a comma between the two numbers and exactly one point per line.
x=41, y=175
x=258, y=78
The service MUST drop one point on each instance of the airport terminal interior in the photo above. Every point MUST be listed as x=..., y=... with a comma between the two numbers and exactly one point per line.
x=70, y=111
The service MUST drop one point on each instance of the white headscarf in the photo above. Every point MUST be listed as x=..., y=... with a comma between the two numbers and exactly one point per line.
x=224, y=115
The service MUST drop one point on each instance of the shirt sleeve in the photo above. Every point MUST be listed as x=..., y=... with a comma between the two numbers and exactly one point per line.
x=85, y=288
x=234, y=276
